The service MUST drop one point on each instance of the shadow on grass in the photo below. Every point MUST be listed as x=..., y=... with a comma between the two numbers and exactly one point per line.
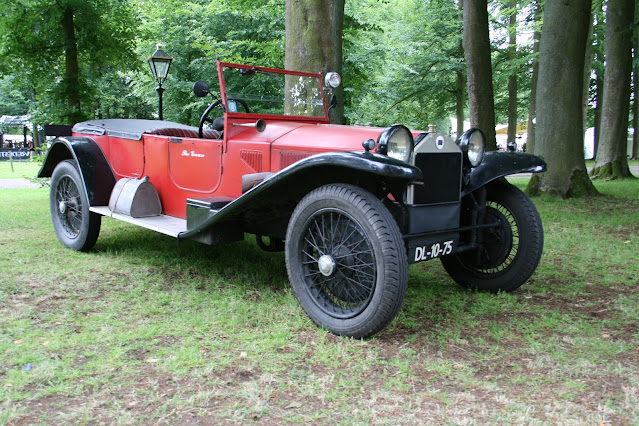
x=242, y=263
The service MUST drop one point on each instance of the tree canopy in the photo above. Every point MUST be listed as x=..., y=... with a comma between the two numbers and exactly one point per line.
x=402, y=61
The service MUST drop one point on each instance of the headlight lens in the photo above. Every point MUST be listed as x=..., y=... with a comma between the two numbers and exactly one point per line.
x=396, y=142
x=473, y=144
x=332, y=79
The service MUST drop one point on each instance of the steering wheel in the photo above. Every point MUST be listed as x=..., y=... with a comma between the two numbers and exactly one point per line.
x=205, y=116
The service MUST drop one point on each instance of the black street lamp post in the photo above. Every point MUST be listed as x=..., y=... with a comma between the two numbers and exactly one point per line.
x=160, y=62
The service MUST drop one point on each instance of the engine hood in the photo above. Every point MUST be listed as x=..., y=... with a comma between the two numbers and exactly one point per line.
x=310, y=137
x=326, y=137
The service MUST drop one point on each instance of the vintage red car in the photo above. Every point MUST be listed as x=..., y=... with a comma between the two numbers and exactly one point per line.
x=351, y=206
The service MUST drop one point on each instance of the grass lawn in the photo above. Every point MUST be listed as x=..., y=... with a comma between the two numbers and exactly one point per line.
x=21, y=169
x=143, y=329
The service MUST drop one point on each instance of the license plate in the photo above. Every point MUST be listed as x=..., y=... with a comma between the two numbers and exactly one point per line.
x=432, y=250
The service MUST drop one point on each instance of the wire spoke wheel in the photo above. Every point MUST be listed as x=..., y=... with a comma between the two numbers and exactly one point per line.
x=510, y=252
x=339, y=263
x=346, y=260
x=69, y=212
x=501, y=245
x=74, y=224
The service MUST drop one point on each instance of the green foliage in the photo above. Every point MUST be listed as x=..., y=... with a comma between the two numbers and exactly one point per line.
x=401, y=58
x=408, y=53
x=13, y=99
x=195, y=33
x=32, y=47
x=521, y=65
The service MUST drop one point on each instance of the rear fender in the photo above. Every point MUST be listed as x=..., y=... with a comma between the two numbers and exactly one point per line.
x=499, y=164
x=266, y=208
x=94, y=168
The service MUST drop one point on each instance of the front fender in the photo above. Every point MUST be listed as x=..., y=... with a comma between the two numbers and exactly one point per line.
x=94, y=168
x=498, y=164
x=274, y=199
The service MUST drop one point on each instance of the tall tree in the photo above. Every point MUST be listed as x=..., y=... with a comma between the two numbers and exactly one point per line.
x=481, y=101
x=314, y=31
x=635, y=113
x=410, y=61
x=532, y=107
x=57, y=46
x=635, y=104
x=599, y=69
x=512, y=78
x=611, y=159
x=195, y=32
x=460, y=88
x=588, y=66
x=559, y=138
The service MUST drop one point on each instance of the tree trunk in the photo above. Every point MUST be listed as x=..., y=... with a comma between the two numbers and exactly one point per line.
x=460, y=90
x=600, y=72
x=532, y=110
x=635, y=104
x=481, y=101
x=590, y=52
x=598, y=103
x=460, y=96
x=512, y=79
x=72, y=68
x=314, y=41
x=611, y=157
x=559, y=139
x=635, y=112
x=37, y=136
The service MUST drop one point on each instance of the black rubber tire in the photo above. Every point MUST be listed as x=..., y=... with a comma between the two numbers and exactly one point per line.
x=75, y=226
x=511, y=251
x=363, y=289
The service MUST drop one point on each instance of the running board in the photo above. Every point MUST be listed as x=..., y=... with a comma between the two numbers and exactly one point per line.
x=167, y=225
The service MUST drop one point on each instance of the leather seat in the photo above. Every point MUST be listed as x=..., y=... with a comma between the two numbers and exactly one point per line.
x=178, y=132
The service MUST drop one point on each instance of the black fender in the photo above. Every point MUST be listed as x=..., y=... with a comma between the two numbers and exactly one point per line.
x=270, y=204
x=498, y=164
x=94, y=168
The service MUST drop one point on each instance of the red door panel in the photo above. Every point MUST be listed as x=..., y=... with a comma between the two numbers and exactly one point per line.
x=195, y=164
x=126, y=157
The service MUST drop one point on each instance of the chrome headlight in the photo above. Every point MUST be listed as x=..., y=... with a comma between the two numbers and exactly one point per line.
x=396, y=142
x=332, y=80
x=473, y=144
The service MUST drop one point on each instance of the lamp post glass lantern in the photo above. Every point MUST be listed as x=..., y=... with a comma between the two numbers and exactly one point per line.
x=160, y=62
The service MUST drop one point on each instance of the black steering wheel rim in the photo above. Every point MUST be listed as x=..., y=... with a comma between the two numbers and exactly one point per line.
x=208, y=110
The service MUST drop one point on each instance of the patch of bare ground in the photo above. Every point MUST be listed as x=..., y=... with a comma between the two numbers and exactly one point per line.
x=444, y=384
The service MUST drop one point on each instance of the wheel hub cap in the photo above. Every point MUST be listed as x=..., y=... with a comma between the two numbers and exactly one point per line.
x=62, y=207
x=326, y=265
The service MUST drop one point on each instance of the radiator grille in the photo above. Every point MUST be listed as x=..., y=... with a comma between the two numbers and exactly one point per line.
x=442, y=177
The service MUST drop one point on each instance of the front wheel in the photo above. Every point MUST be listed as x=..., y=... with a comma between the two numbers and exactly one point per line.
x=510, y=252
x=346, y=260
x=74, y=224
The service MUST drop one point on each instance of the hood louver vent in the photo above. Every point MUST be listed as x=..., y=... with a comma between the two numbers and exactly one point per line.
x=253, y=159
x=289, y=157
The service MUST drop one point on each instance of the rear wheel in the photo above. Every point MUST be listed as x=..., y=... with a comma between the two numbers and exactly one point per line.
x=346, y=260
x=75, y=226
x=511, y=251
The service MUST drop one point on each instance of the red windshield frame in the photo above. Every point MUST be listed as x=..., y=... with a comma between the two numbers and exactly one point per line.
x=244, y=115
